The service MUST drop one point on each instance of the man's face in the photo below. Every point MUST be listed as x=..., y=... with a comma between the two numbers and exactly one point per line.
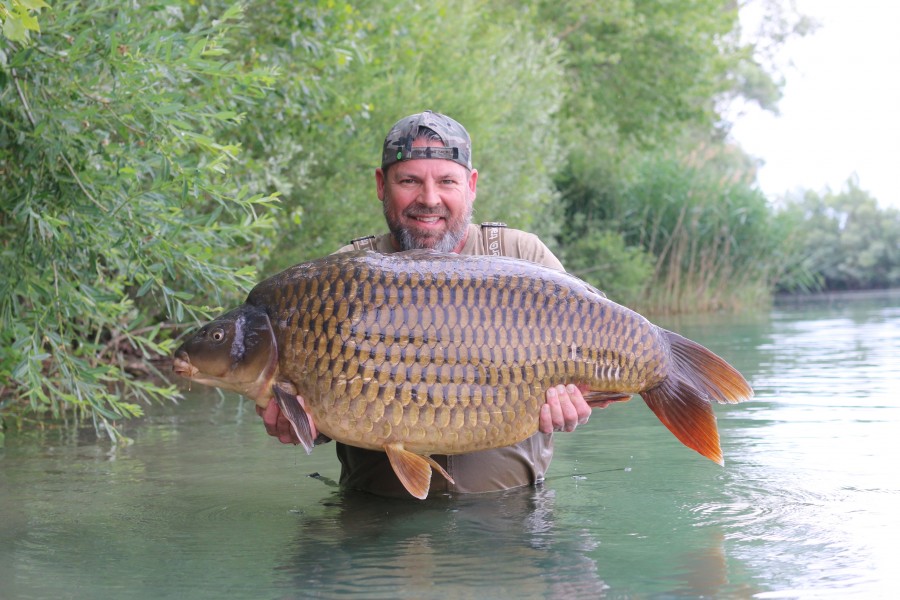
x=427, y=202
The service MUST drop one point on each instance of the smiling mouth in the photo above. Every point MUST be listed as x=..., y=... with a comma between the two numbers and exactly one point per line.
x=426, y=219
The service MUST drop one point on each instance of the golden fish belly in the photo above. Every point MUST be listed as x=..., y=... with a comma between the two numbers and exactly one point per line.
x=447, y=354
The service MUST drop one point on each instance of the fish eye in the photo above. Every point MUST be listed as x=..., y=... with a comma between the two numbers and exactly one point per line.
x=217, y=335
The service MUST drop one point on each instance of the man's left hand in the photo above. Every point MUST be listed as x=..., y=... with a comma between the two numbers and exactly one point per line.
x=564, y=409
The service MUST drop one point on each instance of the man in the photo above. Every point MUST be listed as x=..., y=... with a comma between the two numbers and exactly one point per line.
x=427, y=186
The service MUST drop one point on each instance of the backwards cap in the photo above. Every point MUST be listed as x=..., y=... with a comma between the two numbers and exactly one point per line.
x=398, y=143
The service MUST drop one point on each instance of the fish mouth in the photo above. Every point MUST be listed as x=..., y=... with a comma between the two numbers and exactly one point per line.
x=182, y=366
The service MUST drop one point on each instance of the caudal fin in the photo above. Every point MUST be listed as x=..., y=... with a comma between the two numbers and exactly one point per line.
x=683, y=400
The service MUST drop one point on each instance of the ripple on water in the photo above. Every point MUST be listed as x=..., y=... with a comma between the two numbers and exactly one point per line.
x=776, y=517
x=759, y=510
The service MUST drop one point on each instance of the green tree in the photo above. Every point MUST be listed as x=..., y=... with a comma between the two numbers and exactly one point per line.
x=645, y=155
x=603, y=258
x=845, y=239
x=477, y=61
x=118, y=209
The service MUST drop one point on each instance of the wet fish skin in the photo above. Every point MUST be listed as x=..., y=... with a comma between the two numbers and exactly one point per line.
x=421, y=353
x=440, y=353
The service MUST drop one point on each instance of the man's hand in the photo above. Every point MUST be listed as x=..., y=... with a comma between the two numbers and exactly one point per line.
x=564, y=409
x=277, y=424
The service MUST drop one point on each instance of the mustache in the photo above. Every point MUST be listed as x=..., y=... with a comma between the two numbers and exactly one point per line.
x=424, y=211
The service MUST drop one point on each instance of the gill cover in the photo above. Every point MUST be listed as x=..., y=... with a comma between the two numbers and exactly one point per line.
x=236, y=351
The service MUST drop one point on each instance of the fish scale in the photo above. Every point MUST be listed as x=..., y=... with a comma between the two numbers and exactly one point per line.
x=471, y=341
x=419, y=353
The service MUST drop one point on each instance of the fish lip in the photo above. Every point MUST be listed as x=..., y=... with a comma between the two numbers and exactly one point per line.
x=182, y=366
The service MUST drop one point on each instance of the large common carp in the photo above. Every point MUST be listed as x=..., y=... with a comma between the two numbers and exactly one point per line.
x=421, y=353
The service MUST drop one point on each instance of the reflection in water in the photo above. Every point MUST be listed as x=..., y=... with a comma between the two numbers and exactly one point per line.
x=458, y=547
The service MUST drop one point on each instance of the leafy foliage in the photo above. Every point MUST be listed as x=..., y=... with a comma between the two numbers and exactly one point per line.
x=154, y=157
x=645, y=158
x=604, y=259
x=19, y=19
x=118, y=209
x=692, y=216
x=642, y=71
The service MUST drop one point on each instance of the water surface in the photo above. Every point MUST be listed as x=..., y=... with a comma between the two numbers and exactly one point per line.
x=205, y=505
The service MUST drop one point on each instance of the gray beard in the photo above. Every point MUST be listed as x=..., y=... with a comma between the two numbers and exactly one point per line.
x=448, y=243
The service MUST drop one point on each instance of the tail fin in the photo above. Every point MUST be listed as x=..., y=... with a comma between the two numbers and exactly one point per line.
x=682, y=400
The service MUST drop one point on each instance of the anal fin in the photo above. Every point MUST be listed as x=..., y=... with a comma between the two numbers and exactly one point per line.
x=298, y=418
x=597, y=399
x=413, y=470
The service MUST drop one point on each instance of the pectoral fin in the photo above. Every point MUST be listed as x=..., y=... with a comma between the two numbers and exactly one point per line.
x=298, y=418
x=413, y=470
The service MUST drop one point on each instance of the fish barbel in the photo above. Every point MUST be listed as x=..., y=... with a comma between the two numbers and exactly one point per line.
x=419, y=353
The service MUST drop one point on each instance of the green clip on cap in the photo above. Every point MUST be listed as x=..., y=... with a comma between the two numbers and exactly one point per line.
x=398, y=143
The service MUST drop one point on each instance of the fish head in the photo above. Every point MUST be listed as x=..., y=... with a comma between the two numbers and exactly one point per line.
x=237, y=352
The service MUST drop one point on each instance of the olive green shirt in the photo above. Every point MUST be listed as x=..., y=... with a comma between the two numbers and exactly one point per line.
x=484, y=471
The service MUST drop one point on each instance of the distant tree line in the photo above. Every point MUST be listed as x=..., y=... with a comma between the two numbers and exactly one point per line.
x=844, y=240
x=158, y=159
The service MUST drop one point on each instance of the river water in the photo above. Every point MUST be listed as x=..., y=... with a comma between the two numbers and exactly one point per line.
x=205, y=505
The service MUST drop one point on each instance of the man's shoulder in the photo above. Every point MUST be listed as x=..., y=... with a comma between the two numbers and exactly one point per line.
x=498, y=239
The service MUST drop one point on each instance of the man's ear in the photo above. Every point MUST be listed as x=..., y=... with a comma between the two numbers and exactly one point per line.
x=379, y=183
x=473, y=181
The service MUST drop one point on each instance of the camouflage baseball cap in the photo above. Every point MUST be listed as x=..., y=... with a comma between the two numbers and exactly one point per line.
x=398, y=143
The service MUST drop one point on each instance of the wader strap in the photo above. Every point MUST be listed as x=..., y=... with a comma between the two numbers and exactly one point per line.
x=492, y=235
x=364, y=243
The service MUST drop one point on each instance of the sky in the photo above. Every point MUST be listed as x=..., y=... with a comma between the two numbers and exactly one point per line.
x=840, y=112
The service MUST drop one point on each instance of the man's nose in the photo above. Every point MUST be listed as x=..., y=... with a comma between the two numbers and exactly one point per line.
x=428, y=195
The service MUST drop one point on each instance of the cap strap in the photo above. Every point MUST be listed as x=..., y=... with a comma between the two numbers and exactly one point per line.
x=433, y=152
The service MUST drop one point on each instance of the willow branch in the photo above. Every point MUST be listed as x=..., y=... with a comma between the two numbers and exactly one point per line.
x=31, y=119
